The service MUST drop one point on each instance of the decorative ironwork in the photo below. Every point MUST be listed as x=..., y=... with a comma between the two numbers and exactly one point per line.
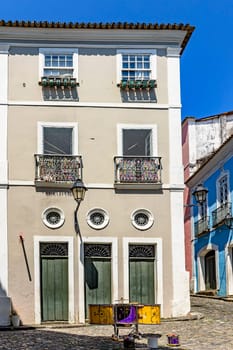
x=141, y=219
x=97, y=250
x=54, y=249
x=219, y=214
x=58, y=168
x=201, y=226
x=141, y=251
x=53, y=217
x=137, y=169
x=97, y=218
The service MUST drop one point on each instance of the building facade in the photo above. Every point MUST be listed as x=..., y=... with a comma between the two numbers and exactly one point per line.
x=99, y=102
x=200, y=139
x=213, y=224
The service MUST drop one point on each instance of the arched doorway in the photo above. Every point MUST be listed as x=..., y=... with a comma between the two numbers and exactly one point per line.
x=207, y=268
x=97, y=272
x=210, y=270
x=54, y=281
x=142, y=273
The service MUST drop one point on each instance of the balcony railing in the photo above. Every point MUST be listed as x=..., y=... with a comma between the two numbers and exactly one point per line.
x=137, y=84
x=201, y=225
x=219, y=214
x=57, y=170
x=138, y=170
x=58, y=81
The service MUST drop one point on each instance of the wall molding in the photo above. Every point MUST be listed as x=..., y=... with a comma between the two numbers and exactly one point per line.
x=110, y=186
x=121, y=105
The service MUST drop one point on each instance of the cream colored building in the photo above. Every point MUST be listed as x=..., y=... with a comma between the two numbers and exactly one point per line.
x=100, y=102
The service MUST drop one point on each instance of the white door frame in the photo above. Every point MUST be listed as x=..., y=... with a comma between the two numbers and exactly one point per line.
x=158, y=263
x=201, y=265
x=229, y=268
x=114, y=270
x=37, y=286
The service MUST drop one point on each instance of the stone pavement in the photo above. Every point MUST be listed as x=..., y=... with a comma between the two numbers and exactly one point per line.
x=211, y=329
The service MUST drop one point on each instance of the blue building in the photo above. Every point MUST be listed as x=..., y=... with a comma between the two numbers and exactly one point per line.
x=212, y=223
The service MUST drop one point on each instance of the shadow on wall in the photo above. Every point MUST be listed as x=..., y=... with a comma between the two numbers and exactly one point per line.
x=145, y=95
x=2, y=291
x=8, y=314
x=58, y=93
x=5, y=307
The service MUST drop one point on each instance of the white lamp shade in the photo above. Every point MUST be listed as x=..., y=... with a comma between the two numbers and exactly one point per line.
x=78, y=189
x=200, y=194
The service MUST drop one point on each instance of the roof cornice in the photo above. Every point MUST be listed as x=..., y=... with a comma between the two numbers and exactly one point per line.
x=174, y=34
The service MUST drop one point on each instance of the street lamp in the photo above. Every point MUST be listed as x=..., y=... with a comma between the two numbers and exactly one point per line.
x=200, y=194
x=78, y=190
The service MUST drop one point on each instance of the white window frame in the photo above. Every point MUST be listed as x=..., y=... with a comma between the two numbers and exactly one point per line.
x=58, y=51
x=41, y=125
x=152, y=127
x=203, y=209
x=153, y=61
x=149, y=216
x=56, y=210
x=93, y=225
x=223, y=174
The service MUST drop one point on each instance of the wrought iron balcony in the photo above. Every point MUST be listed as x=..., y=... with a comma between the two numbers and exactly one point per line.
x=55, y=170
x=219, y=214
x=138, y=170
x=201, y=225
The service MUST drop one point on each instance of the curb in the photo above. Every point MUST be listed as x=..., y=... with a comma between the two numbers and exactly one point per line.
x=20, y=328
x=192, y=316
x=228, y=299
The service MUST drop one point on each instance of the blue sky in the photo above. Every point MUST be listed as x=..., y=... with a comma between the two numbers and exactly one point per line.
x=207, y=62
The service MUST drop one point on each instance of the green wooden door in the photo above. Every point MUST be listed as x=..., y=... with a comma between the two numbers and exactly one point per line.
x=142, y=274
x=54, y=288
x=97, y=275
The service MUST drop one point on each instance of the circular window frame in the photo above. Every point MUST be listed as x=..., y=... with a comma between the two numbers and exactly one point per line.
x=50, y=210
x=144, y=212
x=93, y=225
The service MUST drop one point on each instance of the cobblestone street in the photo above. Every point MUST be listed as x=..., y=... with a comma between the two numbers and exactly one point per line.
x=211, y=330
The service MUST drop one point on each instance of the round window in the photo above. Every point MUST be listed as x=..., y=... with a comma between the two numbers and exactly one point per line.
x=97, y=218
x=142, y=219
x=53, y=217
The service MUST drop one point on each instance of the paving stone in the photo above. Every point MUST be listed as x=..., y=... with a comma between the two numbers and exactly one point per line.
x=211, y=329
